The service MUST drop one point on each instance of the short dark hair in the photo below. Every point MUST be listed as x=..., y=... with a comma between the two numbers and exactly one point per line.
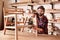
x=41, y=7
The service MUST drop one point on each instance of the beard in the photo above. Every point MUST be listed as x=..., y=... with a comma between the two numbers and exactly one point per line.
x=40, y=14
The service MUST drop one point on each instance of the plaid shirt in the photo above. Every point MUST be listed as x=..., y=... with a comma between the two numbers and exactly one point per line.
x=43, y=23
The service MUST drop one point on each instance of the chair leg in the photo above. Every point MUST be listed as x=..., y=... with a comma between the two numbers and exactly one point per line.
x=5, y=20
x=4, y=31
x=22, y=29
x=36, y=33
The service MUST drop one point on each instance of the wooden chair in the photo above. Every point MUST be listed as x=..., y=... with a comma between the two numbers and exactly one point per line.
x=13, y=14
x=6, y=15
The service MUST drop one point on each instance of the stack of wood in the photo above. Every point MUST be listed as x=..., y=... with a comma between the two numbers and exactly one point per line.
x=13, y=10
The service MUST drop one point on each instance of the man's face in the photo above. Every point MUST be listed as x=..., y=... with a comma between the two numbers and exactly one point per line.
x=40, y=12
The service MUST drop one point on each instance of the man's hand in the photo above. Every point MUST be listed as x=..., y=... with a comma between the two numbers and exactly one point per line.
x=39, y=29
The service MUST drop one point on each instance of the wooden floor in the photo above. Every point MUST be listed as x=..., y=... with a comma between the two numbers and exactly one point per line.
x=26, y=36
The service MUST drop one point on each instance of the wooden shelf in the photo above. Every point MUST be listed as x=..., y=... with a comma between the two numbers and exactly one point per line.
x=56, y=2
x=52, y=11
x=28, y=3
x=54, y=21
x=22, y=26
x=31, y=2
x=35, y=3
x=49, y=2
x=13, y=11
x=12, y=27
x=20, y=22
x=23, y=4
x=42, y=3
x=16, y=12
x=20, y=3
x=10, y=23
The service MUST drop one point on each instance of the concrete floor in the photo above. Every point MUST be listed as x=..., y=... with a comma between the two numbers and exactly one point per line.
x=26, y=36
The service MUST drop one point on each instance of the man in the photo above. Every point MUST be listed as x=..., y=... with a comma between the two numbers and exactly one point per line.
x=42, y=20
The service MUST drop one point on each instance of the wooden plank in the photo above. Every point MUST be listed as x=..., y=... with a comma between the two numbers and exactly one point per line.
x=30, y=3
x=56, y=2
x=13, y=11
x=24, y=4
x=16, y=30
x=20, y=3
x=35, y=3
x=10, y=27
x=42, y=3
x=54, y=21
x=20, y=22
x=25, y=0
x=52, y=11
